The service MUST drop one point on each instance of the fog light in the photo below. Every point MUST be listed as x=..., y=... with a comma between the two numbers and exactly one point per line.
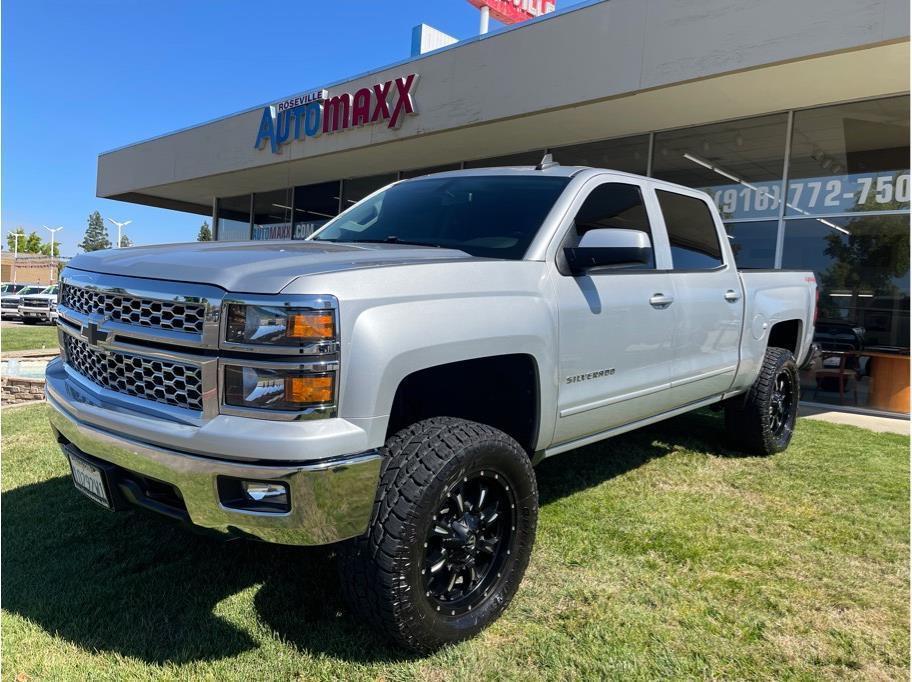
x=271, y=492
x=258, y=496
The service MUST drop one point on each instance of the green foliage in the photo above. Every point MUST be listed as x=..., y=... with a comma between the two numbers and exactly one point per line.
x=205, y=234
x=125, y=241
x=30, y=243
x=96, y=234
x=661, y=554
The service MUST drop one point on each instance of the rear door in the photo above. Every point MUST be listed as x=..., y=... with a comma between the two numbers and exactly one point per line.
x=708, y=296
x=615, y=325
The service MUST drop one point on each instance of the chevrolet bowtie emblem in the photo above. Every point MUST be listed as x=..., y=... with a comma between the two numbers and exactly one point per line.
x=92, y=335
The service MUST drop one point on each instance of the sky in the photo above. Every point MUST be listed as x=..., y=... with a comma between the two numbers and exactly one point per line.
x=81, y=78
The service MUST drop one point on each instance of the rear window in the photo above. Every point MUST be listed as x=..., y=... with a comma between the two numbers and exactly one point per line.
x=492, y=216
x=691, y=231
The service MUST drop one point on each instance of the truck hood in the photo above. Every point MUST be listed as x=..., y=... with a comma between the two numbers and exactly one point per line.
x=253, y=267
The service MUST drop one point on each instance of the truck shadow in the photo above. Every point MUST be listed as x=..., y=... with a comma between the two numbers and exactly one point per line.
x=140, y=586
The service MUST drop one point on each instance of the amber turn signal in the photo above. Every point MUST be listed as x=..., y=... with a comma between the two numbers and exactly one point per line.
x=310, y=326
x=307, y=390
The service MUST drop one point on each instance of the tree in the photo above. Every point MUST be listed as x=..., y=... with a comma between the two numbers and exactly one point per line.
x=96, y=234
x=46, y=249
x=125, y=241
x=30, y=244
x=205, y=234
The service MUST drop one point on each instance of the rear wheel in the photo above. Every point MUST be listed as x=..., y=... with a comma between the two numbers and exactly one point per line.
x=451, y=535
x=762, y=421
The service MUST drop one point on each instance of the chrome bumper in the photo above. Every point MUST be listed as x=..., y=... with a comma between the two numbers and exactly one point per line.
x=331, y=499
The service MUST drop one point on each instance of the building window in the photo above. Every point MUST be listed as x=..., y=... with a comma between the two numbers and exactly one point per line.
x=418, y=172
x=532, y=158
x=233, y=218
x=739, y=163
x=313, y=206
x=629, y=154
x=850, y=158
x=753, y=243
x=272, y=214
x=356, y=189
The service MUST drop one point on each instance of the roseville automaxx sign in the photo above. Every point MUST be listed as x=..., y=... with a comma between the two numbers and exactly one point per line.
x=314, y=113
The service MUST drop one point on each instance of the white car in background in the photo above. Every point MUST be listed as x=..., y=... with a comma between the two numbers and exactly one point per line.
x=39, y=307
x=9, y=303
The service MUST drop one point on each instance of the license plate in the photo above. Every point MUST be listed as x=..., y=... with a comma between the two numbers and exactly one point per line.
x=89, y=480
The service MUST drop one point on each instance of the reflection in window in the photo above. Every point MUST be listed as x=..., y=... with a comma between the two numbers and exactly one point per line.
x=753, y=243
x=862, y=268
x=738, y=163
x=272, y=214
x=629, y=154
x=850, y=157
x=691, y=231
x=523, y=159
x=233, y=218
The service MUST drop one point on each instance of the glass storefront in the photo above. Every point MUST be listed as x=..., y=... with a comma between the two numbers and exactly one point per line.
x=823, y=189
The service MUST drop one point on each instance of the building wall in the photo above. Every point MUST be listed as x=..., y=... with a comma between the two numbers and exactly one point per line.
x=558, y=64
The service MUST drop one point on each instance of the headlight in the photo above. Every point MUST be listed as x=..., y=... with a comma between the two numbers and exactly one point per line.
x=278, y=325
x=278, y=389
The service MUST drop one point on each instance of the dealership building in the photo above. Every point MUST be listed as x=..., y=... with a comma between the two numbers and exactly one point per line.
x=793, y=116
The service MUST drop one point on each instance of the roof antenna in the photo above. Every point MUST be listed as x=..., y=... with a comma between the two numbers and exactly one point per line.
x=546, y=162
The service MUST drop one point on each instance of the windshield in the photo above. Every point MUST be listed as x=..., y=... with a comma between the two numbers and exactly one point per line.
x=29, y=290
x=491, y=216
x=50, y=290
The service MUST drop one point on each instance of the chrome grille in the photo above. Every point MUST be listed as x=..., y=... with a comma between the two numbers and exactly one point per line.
x=162, y=381
x=36, y=302
x=146, y=312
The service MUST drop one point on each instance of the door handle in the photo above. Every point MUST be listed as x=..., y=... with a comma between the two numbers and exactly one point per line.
x=731, y=296
x=661, y=301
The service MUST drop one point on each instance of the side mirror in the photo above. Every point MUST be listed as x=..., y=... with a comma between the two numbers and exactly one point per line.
x=609, y=247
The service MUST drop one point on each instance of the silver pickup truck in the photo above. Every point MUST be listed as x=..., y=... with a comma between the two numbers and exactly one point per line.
x=390, y=383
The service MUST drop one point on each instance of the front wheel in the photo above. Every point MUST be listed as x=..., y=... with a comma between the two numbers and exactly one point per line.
x=450, y=537
x=762, y=421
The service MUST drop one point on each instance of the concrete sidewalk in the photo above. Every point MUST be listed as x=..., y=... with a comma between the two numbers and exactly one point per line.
x=865, y=421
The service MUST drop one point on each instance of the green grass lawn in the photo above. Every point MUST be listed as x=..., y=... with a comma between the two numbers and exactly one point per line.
x=27, y=337
x=660, y=554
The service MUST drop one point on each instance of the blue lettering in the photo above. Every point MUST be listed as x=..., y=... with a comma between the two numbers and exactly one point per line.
x=312, y=119
x=266, y=131
x=283, y=127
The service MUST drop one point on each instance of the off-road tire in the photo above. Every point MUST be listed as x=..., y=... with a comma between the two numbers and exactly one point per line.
x=383, y=572
x=753, y=420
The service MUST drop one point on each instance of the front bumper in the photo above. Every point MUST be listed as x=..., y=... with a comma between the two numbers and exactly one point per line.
x=330, y=499
x=38, y=313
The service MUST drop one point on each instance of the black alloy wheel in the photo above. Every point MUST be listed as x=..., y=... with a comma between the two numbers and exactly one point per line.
x=468, y=542
x=781, y=402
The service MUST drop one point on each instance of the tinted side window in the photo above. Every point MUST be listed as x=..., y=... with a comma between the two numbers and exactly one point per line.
x=691, y=231
x=614, y=205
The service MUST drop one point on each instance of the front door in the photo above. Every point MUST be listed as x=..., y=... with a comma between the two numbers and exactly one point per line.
x=615, y=326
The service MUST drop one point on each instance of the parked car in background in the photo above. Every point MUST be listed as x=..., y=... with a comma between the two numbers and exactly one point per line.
x=11, y=288
x=390, y=383
x=9, y=303
x=40, y=307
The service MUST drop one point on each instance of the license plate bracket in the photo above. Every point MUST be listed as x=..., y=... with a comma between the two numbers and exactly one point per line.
x=91, y=480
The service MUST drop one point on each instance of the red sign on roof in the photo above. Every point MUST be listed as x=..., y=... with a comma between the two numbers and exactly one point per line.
x=515, y=11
